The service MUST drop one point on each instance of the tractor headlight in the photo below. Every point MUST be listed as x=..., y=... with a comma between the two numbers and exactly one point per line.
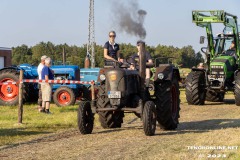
x=160, y=75
x=102, y=77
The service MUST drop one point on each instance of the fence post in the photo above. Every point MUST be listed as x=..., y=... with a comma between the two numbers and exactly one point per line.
x=20, y=96
x=92, y=90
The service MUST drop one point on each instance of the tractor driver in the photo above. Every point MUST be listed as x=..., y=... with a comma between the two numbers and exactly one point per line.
x=149, y=61
x=111, y=49
x=232, y=50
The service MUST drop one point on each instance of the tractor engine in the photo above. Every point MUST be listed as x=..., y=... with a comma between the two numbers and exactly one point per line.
x=120, y=85
x=221, y=72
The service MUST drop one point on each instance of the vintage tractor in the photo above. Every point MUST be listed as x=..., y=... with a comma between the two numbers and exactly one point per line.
x=9, y=92
x=222, y=71
x=64, y=94
x=122, y=90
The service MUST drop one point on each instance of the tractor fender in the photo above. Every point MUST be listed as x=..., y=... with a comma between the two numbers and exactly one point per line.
x=236, y=72
x=10, y=68
x=168, y=71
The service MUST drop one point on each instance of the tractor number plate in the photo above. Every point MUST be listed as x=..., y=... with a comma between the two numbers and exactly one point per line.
x=114, y=94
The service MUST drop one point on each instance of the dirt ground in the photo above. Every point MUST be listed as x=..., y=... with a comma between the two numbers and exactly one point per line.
x=201, y=129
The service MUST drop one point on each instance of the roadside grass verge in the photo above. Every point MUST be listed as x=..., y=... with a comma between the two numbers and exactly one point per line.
x=34, y=123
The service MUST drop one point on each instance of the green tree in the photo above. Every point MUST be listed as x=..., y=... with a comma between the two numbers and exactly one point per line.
x=21, y=54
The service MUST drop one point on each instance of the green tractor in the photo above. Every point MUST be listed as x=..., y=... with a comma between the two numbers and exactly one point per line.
x=222, y=71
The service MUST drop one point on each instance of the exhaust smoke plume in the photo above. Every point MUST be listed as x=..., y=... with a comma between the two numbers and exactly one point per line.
x=129, y=18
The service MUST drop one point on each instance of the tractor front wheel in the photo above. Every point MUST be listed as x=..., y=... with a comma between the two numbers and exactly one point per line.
x=85, y=118
x=195, y=88
x=237, y=89
x=213, y=96
x=64, y=96
x=108, y=119
x=149, y=118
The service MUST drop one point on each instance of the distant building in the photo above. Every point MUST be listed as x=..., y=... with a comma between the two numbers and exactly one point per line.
x=5, y=57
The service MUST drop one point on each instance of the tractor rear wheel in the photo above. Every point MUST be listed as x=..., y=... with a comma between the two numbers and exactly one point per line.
x=64, y=96
x=9, y=92
x=213, y=96
x=85, y=118
x=168, y=104
x=149, y=118
x=108, y=119
x=237, y=89
x=195, y=88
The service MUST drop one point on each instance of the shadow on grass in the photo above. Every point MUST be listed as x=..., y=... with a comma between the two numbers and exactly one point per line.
x=19, y=132
x=186, y=127
x=68, y=109
x=203, y=126
x=226, y=101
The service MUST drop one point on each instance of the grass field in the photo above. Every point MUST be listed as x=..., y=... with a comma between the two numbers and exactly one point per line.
x=56, y=136
x=34, y=123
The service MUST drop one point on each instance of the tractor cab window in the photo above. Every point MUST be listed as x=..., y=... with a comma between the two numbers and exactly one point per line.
x=223, y=45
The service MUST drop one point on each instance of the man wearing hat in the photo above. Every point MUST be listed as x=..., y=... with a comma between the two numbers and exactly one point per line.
x=39, y=70
x=232, y=50
x=149, y=61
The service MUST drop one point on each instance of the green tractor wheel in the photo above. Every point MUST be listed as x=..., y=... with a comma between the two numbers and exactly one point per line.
x=214, y=96
x=237, y=89
x=195, y=88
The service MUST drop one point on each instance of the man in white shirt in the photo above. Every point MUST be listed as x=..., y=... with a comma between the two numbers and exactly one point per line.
x=39, y=70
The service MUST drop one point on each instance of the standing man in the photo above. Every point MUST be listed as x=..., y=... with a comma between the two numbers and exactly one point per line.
x=39, y=70
x=47, y=74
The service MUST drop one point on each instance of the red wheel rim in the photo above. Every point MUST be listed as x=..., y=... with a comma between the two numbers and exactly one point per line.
x=174, y=101
x=8, y=91
x=64, y=97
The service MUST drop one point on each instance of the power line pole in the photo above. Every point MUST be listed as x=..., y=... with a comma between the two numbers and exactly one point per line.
x=91, y=35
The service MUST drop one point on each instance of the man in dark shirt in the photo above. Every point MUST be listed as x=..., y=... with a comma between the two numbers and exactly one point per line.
x=149, y=61
x=111, y=49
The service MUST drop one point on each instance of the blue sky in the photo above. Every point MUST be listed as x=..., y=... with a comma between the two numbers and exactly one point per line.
x=168, y=22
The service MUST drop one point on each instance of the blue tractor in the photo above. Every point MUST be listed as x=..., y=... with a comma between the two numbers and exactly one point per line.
x=89, y=74
x=64, y=94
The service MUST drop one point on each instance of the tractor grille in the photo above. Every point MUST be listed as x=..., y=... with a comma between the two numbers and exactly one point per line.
x=216, y=77
x=217, y=71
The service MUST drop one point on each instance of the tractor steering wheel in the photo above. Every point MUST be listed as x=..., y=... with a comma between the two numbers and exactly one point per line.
x=204, y=49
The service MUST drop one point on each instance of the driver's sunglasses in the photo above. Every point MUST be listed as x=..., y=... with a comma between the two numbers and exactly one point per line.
x=112, y=35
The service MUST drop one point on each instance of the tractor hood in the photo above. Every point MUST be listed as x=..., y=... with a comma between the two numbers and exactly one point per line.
x=224, y=64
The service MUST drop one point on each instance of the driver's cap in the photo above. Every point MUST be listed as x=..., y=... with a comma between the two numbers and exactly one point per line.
x=140, y=41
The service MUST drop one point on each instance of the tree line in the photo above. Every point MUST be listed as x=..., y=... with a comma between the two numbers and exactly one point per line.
x=185, y=56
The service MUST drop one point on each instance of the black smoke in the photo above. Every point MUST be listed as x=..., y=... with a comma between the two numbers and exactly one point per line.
x=128, y=17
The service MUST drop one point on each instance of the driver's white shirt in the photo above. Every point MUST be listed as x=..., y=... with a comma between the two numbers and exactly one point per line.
x=39, y=70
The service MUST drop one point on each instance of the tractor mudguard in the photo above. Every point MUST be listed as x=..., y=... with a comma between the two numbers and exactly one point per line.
x=11, y=67
x=235, y=73
x=168, y=71
x=201, y=70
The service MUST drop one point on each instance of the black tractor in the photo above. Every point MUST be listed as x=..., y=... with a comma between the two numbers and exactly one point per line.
x=122, y=90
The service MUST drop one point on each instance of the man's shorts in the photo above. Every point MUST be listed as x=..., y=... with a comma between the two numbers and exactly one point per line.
x=46, y=92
